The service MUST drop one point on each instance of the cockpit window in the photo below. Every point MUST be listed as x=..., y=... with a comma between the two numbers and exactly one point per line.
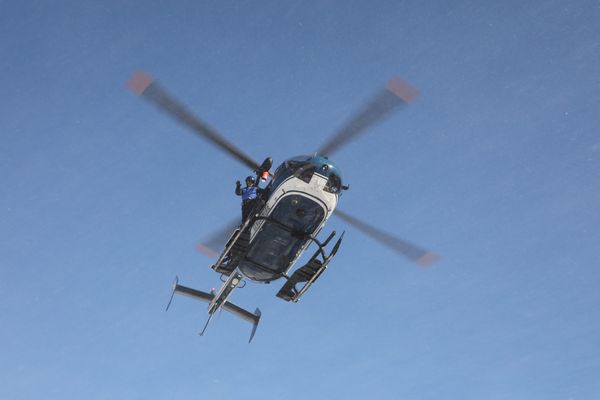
x=295, y=163
x=304, y=167
x=305, y=173
x=279, y=171
x=334, y=184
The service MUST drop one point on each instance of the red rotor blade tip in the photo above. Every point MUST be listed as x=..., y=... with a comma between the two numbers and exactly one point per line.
x=402, y=89
x=139, y=82
x=427, y=259
x=207, y=251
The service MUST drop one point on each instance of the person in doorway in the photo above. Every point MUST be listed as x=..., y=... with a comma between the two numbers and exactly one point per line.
x=251, y=193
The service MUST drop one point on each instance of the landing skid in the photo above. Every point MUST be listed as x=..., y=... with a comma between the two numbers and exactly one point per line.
x=309, y=272
x=235, y=249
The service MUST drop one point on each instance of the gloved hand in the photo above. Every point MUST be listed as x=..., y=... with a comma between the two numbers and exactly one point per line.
x=238, y=184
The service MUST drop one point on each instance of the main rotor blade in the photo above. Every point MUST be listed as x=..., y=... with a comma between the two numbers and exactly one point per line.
x=214, y=244
x=396, y=93
x=421, y=256
x=144, y=85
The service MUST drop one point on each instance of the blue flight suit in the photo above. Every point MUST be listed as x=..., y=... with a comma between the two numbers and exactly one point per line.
x=250, y=195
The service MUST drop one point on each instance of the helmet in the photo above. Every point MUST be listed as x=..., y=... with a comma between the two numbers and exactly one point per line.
x=249, y=180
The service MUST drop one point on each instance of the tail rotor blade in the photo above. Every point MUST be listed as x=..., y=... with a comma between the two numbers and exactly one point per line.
x=396, y=94
x=145, y=86
x=411, y=251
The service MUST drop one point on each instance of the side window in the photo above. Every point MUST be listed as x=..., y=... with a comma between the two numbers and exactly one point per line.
x=281, y=173
x=279, y=170
x=333, y=184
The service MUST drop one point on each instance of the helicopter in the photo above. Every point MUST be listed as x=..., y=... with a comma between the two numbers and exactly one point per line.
x=289, y=212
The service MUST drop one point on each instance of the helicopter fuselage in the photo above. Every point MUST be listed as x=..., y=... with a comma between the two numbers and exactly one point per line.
x=296, y=205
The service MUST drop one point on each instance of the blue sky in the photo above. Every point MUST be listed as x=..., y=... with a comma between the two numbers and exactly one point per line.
x=495, y=167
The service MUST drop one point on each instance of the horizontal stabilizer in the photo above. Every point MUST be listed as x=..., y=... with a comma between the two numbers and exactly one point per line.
x=253, y=318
